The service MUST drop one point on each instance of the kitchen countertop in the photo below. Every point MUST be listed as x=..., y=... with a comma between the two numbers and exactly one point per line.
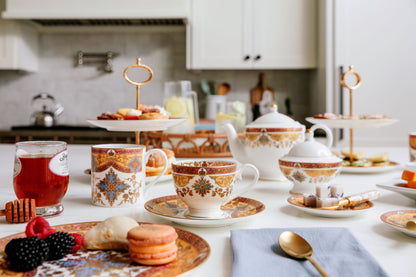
x=394, y=250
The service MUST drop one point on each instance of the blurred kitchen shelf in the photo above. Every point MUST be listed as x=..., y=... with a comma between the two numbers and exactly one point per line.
x=70, y=134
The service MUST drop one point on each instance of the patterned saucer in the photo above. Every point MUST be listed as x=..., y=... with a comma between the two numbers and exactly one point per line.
x=398, y=220
x=297, y=202
x=173, y=209
x=192, y=252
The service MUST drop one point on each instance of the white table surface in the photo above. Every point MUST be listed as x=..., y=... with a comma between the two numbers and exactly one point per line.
x=395, y=251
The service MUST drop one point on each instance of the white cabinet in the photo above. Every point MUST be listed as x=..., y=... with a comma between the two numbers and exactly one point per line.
x=18, y=45
x=252, y=34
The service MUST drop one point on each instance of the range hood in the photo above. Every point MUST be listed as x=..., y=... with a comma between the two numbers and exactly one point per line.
x=99, y=12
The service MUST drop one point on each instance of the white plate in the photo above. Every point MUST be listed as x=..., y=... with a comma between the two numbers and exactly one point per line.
x=398, y=220
x=370, y=169
x=173, y=209
x=352, y=123
x=297, y=202
x=135, y=125
x=396, y=185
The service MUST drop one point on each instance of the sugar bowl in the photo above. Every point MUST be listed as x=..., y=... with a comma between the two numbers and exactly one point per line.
x=310, y=163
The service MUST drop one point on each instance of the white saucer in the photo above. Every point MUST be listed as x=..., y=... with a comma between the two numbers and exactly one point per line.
x=135, y=125
x=173, y=209
x=397, y=185
x=370, y=169
x=297, y=202
x=398, y=220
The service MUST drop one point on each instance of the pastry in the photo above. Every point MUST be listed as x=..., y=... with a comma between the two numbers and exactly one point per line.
x=152, y=244
x=152, y=116
x=155, y=163
x=110, y=234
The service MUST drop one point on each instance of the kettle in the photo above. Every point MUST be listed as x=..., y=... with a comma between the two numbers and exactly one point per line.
x=50, y=110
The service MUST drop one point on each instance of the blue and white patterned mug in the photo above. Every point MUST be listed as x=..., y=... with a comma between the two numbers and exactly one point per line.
x=118, y=174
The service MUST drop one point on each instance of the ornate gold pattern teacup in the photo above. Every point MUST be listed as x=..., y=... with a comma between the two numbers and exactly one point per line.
x=204, y=186
x=118, y=174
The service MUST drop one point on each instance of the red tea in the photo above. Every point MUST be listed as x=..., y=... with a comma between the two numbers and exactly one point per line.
x=35, y=179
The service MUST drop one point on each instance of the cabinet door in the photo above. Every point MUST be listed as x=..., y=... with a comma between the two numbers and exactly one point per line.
x=284, y=33
x=219, y=38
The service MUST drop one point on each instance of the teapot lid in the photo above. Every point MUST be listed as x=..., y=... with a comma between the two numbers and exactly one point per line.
x=274, y=119
x=310, y=150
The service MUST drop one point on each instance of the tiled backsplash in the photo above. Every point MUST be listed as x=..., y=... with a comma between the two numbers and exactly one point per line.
x=86, y=92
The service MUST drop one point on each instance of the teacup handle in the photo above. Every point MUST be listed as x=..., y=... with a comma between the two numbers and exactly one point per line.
x=243, y=188
x=146, y=158
x=329, y=138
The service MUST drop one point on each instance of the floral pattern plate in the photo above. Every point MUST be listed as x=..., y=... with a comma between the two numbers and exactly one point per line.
x=192, y=252
x=297, y=202
x=173, y=209
x=399, y=186
x=135, y=125
x=398, y=220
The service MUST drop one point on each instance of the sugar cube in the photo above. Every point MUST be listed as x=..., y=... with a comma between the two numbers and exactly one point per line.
x=326, y=202
x=323, y=191
x=337, y=191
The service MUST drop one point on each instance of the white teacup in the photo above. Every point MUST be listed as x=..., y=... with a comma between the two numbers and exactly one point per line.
x=204, y=186
x=118, y=174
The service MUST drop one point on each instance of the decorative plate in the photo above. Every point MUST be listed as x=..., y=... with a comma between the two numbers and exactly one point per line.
x=173, y=209
x=370, y=169
x=192, y=252
x=353, y=123
x=135, y=125
x=297, y=202
x=398, y=185
x=398, y=220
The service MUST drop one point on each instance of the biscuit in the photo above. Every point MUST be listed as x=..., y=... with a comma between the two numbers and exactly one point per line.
x=152, y=244
x=381, y=157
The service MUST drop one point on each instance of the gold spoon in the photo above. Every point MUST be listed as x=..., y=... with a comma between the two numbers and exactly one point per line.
x=297, y=247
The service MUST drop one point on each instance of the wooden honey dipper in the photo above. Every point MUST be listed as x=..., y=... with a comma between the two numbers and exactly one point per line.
x=19, y=211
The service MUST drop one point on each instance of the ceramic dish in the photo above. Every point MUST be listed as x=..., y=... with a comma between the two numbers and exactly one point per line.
x=164, y=178
x=398, y=220
x=398, y=185
x=353, y=123
x=135, y=125
x=370, y=169
x=192, y=252
x=297, y=202
x=173, y=209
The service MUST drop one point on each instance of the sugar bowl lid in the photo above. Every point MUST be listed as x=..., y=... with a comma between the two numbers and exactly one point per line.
x=274, y=119
x=310, y=151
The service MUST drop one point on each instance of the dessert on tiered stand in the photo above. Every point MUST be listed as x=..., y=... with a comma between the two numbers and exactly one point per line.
x=356, y=161
x=142, y=117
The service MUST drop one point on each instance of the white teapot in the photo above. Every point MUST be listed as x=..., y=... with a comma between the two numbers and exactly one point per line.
x=266, y=140
x=310, y=163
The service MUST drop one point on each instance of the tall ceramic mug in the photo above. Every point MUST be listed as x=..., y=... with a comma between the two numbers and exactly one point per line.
x=204, y=186
x=412, y=146
x=118, y=174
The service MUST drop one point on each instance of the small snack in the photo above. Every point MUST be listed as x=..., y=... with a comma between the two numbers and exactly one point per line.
x=155, y=163
x=123, y=111
x=380, y=159
x=25, y=254
x=356, y=155
x=152, y=116
x=152, y=244
x=110, y=234
x=410, y=177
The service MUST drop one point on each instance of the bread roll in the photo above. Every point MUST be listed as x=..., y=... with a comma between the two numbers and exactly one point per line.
x=156, y=163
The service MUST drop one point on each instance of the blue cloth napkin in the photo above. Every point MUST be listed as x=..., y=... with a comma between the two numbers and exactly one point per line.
x=256, y=252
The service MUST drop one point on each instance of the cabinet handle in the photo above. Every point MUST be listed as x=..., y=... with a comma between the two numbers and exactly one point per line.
x=246, y=58
x=258, y=57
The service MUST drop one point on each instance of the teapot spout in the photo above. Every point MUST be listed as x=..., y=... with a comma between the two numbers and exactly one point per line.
x=237, y=147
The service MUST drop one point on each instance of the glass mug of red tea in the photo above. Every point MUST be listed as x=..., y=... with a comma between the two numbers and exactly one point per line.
x=41, y=173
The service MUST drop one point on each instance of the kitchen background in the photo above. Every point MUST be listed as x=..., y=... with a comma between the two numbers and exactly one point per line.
x=87, y=91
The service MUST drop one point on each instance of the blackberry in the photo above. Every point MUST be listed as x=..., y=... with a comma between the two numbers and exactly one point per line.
x=26, y=254
x=60, y=244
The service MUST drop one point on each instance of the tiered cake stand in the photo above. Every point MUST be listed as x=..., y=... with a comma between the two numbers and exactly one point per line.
x=351, y=80
x=136, y=125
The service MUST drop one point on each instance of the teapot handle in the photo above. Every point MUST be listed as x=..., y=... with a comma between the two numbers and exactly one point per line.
x=329, y=137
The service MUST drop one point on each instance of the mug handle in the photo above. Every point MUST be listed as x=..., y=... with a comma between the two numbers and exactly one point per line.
x=328, y=132
x=146, y=158
x=243, y=188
